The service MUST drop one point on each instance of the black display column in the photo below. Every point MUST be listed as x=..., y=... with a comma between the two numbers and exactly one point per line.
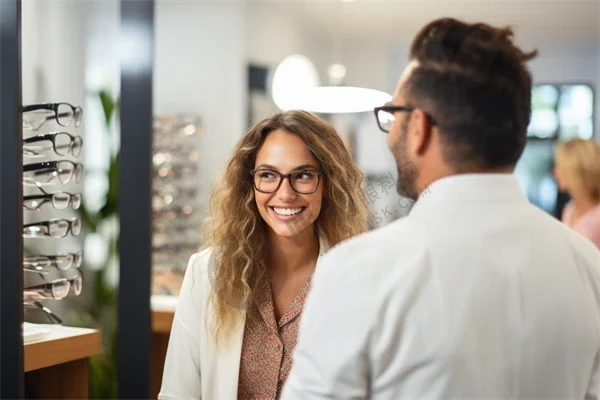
x=11, y=193
x=134, y=330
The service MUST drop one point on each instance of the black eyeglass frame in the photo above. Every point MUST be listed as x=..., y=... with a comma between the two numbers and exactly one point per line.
x=44, y=165
x=76, y=260
x=393, y=109
x=51, y=136
x=77, y=112
x=54, y=319
x=47, y=224
x=288, y=176
x=50, y=197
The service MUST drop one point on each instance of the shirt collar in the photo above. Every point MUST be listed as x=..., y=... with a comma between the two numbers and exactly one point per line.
x=470, y=188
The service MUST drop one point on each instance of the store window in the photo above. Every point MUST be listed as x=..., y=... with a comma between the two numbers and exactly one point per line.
x=563, y=111
x=558, y=112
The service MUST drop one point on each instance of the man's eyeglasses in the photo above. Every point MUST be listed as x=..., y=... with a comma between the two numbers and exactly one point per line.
x=60, y=200
x=36, y=115
x=56, y=228
x=63, y=143
x=385, y=115
x=42, y=263
x=303, y=181
x=44, y=173
x=56, y=290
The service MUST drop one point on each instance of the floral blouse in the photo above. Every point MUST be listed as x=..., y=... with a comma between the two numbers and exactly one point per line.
x=268, y=345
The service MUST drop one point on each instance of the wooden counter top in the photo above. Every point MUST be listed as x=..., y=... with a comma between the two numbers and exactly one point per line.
x=62, y=344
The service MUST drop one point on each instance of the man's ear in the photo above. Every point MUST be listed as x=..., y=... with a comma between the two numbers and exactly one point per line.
x=420, y=130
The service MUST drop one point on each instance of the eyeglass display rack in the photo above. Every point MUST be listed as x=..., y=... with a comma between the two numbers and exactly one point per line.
x=55, y=356
x=41, y=364
x=176, y=222
x=176, y=202
x=50, y=165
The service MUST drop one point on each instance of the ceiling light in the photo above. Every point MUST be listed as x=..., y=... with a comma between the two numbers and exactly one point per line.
x=339, y=100
x=294, y=76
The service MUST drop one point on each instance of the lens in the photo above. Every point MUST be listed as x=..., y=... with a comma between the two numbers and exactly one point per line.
x=63, y=261
x=75, y=226
x=77, y=259
x=64, y=114
x=76, y=198
x=305, y=181
x=60, y=200
x=266, y=181
x=60, y=288
x=77, y=285
x=78, y=172
x=78, y=116
x=65, y=171
x=76, y=146
x=62, y=143
x=386, y=120
x=59, y=228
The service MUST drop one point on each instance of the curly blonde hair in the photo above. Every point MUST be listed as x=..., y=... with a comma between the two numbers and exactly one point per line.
x=579, y=160
x=237, y=233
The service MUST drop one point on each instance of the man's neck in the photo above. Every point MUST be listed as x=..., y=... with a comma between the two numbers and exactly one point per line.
x=426, y=178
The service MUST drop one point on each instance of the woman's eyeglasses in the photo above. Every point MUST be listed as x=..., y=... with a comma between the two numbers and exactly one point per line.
x=47, y=172
x=56, y=290
x=62, y=143
x=55, y=228
x=36, y=115
x=305, y=181
x=60, y=200
x=42, y=263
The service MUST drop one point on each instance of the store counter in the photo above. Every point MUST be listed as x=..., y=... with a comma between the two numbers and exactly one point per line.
x=56, y=360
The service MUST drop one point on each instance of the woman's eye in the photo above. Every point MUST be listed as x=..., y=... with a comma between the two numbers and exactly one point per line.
x=267, y=175
x=305, y=175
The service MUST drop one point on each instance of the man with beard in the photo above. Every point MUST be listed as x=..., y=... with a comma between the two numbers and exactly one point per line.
x=476, y=293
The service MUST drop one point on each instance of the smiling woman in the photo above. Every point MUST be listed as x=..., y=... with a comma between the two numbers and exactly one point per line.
x=289, y=192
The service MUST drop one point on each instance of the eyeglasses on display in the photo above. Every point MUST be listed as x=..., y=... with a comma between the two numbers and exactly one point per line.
x=56, y=290
x=62, y=143
x=48, y=172
x=36, y=305
x=177, y=171
x=36, y=115
x=59, y=200
x=55, y=228
x=62, y=261
x=304, y=181
x=385, y=116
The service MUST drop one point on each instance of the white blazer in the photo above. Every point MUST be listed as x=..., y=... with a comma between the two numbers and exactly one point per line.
x=477, y=294
x=194, y=367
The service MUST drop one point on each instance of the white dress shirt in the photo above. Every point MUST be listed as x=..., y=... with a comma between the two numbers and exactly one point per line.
x=476, y=294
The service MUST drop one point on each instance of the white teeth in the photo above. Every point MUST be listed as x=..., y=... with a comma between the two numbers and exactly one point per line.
x=287, y=211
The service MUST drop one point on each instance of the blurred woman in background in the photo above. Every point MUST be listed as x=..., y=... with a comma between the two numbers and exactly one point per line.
x=577, y=172
x=289, y=191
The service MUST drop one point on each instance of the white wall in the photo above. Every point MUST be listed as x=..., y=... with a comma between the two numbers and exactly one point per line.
x=200, y=68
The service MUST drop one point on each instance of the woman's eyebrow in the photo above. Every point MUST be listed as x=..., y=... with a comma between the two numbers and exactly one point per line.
x=300, y=167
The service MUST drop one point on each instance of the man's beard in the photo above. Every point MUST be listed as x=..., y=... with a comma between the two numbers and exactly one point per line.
x=407, y=171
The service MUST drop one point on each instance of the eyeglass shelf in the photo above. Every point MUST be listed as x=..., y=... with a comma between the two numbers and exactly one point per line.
x=56, y=361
